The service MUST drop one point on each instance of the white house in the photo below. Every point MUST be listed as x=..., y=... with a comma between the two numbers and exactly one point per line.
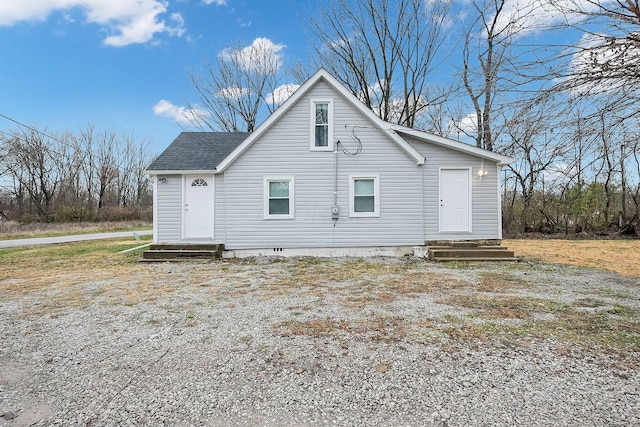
x=323, y=171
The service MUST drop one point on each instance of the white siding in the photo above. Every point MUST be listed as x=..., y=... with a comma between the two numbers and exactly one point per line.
x=284, y=150
x=219, y=206
x=409, y=194
x=169, y=209
x=485, y=204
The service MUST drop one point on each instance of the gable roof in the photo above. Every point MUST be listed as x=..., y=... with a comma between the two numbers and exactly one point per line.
x=197, y=151
x=389, y=128
x=502, y=160
x=321, y=74
x=216, y=151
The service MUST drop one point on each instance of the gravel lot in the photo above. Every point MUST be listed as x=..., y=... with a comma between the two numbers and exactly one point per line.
x=304, y=342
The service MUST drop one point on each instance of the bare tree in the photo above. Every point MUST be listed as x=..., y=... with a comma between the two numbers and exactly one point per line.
x=383, y=51
x=488, y=63
x=536, y=149
x=233, y=92
x=605, y=62
x=33, y=164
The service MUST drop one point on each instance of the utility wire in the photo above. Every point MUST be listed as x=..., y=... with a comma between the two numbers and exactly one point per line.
x=41, y=133
x=35, y=130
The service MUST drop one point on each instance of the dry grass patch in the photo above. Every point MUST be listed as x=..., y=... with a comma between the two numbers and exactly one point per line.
x=73, y=275
x=51, y=278
x=504, y=307
x=313, y=328
x=499, y=281
x=377, y=328
x=413, y=283
x=619, y=256
x=616, y=327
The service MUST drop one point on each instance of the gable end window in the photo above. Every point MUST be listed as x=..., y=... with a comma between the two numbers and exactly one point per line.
x=278, y=197
x=364, y=196
x=321, y=125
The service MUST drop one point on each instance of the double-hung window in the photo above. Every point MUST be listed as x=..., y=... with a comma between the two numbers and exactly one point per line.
x=278, y=197
x=364, y=196
x=321, y=125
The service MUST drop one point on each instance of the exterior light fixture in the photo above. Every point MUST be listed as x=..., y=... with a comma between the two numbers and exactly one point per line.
x=162, y=180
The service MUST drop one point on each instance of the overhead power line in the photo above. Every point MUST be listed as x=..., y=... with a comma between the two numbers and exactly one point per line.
x=35, y=130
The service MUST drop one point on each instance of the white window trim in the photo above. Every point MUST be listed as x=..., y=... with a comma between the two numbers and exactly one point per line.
x=376, y=196
x=312, y=127
x=267, y=180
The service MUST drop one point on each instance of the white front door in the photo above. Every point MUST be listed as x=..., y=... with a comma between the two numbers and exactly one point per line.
x=455, y=200
x=198, y=207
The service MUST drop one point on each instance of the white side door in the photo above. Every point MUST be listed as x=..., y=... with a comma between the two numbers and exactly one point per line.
x=455, y=200
x=198, y=207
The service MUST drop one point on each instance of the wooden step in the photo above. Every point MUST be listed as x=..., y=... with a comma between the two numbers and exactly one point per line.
x=479, y=253
x=478, y=259
x=488, y=248
x=182, y=252
x=186, y=246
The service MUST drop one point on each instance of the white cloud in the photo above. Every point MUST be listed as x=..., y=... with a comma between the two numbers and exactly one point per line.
x=468, y=124
x=532, y=16
x=281, y=94
x=181, y=115
x=233, y=92
x=129, y=21
x=217, y=2
x=559, y=172
x=261, y=56
x=601, y=64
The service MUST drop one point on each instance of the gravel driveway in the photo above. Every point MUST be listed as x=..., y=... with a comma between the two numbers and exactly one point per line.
x=303, y=342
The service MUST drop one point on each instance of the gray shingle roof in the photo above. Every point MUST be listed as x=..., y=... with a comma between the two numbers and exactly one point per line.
x=197, y=151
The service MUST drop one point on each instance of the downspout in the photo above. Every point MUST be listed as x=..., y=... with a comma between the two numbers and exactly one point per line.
x=423, y=171
x=224, y=212
x=335, y=174
x=335, y=210
x=155, y=209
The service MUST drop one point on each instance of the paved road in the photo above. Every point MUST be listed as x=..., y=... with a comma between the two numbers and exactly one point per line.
x=4, y=244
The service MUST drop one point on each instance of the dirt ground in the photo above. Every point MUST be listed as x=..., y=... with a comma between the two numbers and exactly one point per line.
x=619, y=256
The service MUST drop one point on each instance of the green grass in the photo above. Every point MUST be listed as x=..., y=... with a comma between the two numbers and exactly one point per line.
x=71, y=229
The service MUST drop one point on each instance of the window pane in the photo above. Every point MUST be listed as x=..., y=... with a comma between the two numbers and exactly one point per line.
x=199, y=183
x=363, y=187
x=322, y=136
x=322, y=114
x=279, y=207
x=279, y=189
x=363, y=204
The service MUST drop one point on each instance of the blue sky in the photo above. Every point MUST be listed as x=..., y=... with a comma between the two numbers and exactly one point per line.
x=123, y=64
x=109, y=62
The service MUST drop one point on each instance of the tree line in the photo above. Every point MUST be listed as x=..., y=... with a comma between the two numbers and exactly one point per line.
x=90, y=175
x=567, y=111
x=554, y=84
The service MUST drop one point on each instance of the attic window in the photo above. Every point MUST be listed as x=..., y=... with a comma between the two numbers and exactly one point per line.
x=199, y=183
x=321, y=125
